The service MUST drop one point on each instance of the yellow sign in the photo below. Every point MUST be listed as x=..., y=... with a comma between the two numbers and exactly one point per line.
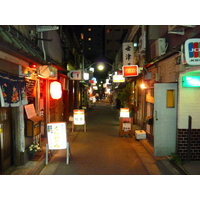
x=118, y=79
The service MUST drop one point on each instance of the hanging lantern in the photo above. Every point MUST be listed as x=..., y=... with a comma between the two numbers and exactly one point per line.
x=55, y=90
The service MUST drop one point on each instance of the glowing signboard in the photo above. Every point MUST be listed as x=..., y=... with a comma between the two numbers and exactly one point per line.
x=124, y=112
x=191, y=81
x=79, y=117
x=130, y=70
x=118, y=79
x=57, y=135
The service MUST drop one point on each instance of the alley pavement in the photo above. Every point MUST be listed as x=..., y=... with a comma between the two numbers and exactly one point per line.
x=128, y=151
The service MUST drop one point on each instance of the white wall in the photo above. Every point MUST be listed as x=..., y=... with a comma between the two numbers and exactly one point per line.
x=188, y=104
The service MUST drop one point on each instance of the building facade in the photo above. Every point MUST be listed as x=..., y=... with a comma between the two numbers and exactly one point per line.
x=164, y=105
x=31, y=58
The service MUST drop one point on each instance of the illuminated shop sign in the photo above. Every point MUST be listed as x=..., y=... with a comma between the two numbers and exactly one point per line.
x=57, y=135
x=79, y=117
x=191, y=81
x=192, y=51
x=130, y=70
x=124, y=112
x=118, y=79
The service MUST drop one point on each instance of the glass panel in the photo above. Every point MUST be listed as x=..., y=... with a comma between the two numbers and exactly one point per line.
x=170, y=99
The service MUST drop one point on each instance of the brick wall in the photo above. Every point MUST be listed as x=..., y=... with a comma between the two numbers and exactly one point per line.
x=182, y=144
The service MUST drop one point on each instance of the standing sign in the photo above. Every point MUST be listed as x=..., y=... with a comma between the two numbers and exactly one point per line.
x=192, y=51
x=124, y=112
x=57, y=138
x=130, y=70
x=79, y=119
x=128, y=53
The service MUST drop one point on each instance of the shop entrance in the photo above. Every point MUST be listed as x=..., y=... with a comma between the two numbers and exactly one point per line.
x=165, y=118
x=6, y=150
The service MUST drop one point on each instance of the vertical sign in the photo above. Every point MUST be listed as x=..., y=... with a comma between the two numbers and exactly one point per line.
x=57, y=135
x=79, y=117
x=128, y=53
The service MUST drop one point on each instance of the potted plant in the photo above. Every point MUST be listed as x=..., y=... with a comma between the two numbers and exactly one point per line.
x=33, y=149
x=125, y=97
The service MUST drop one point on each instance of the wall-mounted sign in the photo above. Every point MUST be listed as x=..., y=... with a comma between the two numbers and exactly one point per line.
x=57, y=135
x=118, y=79
x=79, y=117
x=128, y=53
x=75, y=75
x=191, y=81
x=124, y=112
x=130, y=70
x=192, y=51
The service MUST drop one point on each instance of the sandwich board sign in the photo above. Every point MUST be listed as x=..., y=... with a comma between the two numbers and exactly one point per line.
x=57, y=138
x=79, y=118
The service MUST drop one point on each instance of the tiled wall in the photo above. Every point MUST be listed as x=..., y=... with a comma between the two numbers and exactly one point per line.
x=182, y=144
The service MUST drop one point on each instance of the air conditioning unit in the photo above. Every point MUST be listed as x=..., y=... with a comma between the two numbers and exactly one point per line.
x=47, y=71
x=178, y=29
x=43, y=71
x=142, y=43
x=158, y=48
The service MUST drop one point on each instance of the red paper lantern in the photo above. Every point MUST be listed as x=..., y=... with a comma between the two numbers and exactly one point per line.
x=55, y=90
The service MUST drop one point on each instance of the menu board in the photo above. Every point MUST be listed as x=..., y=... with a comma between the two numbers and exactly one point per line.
x=57, y=135
x=79, y=117
x=30, y=90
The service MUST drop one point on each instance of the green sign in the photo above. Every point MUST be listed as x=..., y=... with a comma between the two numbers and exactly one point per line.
x=191, y=81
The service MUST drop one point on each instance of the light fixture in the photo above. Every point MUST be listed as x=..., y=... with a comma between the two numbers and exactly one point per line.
x=100, y=67
x=33, y=66
x=143, y=86
x=55, y=90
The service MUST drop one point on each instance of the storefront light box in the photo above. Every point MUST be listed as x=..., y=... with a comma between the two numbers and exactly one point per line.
x=191, y=81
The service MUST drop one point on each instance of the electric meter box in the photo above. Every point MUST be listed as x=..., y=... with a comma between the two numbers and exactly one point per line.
x=140, y=134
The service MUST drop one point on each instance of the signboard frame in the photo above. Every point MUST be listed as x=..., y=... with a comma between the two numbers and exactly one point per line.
x=130, y=70
x=78, y=118
x=192, y=51
x=57, y=138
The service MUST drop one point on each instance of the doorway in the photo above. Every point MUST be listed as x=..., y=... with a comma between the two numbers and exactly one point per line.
x=6, y=150
x=165, y=118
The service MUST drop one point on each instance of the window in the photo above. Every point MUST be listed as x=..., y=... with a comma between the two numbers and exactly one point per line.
x=170, y=98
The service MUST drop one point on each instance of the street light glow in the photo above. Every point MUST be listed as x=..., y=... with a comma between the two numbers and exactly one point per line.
x=100, y=67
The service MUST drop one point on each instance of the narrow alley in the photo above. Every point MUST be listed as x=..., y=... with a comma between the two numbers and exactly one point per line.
x=100, y=150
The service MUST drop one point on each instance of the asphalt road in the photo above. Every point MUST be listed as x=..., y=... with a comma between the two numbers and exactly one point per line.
x=100, y=150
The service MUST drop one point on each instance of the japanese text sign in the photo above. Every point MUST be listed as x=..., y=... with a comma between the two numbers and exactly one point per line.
x=57, y=135
x=130, y=70
x=128, y=53
x=79, y=117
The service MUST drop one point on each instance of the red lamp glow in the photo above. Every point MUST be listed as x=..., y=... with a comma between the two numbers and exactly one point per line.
x=55, y=90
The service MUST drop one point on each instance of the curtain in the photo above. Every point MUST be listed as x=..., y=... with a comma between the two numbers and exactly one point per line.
x=12, y=90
